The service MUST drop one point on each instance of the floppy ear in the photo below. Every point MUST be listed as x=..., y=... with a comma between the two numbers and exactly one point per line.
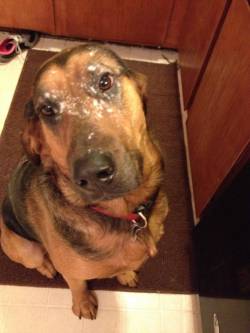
x=31, y=135
x=141, y=84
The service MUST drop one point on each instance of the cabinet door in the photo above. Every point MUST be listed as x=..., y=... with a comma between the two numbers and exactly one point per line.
x=137, y=21
x=173, y=35
x=27, y=14
x=199, y=30
x=218, y=122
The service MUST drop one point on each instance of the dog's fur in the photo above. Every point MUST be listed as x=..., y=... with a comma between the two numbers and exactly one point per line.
x=62, y=232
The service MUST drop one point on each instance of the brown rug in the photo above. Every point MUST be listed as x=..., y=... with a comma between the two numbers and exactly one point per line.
x=173, y=268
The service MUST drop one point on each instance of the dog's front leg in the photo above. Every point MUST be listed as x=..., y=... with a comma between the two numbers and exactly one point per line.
x=84, y=301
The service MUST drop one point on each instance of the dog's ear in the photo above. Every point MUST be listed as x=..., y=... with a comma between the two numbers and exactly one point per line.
x=141, y=82
x=31, y=135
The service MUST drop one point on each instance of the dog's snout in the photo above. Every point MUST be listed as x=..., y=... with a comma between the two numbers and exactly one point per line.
x=94, y=169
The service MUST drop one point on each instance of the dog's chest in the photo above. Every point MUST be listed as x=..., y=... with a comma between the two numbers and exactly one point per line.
x=115, y=254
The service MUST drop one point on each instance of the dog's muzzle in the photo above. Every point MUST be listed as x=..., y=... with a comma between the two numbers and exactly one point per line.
x=95, y=170
x=99, y=175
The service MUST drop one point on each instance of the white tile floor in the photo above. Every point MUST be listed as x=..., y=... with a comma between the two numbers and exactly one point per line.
x=44, y=310
x=26, y=310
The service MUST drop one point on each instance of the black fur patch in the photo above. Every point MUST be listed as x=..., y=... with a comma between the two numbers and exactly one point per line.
x=10, y=220
x=14, y=209
x=78, y=240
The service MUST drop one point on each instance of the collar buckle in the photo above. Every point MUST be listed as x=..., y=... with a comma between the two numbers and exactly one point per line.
x=139, y=224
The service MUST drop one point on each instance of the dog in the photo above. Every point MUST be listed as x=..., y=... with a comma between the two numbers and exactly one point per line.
x=86, y=199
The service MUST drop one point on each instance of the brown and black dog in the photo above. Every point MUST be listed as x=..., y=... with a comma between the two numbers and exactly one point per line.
x=80, y=200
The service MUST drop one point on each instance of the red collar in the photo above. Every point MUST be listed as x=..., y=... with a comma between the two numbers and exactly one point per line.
x=138, y=217
x=129, y=217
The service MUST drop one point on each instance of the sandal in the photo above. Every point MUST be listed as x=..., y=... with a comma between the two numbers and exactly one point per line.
x=16, y=44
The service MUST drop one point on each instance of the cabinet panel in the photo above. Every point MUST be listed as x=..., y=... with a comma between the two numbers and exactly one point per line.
x=199, y=26
x=218, y=124
x=137, y=21
x=27, y=14
x=172, y=39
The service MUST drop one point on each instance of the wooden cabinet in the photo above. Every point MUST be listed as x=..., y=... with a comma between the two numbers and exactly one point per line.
x=173, y=34
x=218, y=124
x=27, y=14
x=136, y=22
x=154, y=22
x=198, y=34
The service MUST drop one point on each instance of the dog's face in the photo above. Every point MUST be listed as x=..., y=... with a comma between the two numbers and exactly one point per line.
x=86, y=121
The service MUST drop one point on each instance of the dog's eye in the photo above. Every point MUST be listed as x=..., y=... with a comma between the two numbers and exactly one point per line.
x=48, y=110
x=106, y=82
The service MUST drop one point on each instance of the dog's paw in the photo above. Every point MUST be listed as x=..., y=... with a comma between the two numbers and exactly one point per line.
x=47, y=269
x=86, y=307
x=129, y=278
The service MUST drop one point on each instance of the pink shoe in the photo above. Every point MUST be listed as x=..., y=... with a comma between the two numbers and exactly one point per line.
x=15, y=44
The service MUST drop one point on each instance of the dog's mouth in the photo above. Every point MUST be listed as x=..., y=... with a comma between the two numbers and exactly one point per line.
x=93, y=197
x=113, y=189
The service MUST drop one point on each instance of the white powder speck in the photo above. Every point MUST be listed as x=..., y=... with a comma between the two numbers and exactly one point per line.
x=90, y=135
x=91, y=53
x=91, y=68
x=95, y=103
x=99, y=114
x=93, y=89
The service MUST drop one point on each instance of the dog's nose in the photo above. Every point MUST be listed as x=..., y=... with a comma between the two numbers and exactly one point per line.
x=95, y=168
